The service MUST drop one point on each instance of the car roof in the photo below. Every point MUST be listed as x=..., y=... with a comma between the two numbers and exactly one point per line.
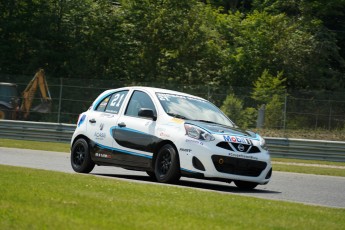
x=157, y=90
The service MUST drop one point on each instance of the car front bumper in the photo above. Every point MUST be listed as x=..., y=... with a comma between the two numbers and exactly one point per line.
x=208, y=160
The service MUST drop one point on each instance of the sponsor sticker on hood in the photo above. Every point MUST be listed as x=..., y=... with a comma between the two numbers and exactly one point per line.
x=235, y=139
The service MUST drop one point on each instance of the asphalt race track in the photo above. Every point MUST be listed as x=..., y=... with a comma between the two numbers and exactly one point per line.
x=303, y=188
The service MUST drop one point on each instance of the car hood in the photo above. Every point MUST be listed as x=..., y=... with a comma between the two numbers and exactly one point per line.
x=221, y=129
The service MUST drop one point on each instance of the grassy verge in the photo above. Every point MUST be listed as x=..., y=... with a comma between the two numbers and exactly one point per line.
x=315, y=134
x=326, y=168
x=325, y=163
x=63, y=147
x=23, y=144
x=36, y=199
x=309, y=170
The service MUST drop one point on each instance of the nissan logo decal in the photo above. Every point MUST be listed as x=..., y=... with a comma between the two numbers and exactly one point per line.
x=240, y=147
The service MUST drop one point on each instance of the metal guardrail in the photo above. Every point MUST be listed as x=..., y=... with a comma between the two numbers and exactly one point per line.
x=306, y=149
x=279, y=147
x=36, y=131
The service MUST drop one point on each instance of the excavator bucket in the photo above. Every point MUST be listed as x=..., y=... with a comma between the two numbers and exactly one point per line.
x=44, y=107
x=38, y=81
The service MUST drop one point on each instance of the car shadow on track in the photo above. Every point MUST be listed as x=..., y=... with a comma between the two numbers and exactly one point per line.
x=200, y=184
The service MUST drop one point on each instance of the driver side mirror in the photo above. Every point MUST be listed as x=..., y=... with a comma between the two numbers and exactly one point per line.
x=148, y=113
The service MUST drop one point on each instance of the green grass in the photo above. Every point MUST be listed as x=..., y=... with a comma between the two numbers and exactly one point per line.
x=63, y=147
x=23, y=144
x=325, y=163
x=309, y=170
x=315, y=134
x=38, y=199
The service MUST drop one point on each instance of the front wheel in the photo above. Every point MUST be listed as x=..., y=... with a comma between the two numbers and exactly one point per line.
x=245, y=185
x=167, y=166
x=152, y=175
x=80, y=157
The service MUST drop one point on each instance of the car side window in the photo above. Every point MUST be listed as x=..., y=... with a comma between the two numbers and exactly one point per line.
x=116, y=101
x=101, y=106
x=138, y=101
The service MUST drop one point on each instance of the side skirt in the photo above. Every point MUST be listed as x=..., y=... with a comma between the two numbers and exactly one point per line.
x=103, y=155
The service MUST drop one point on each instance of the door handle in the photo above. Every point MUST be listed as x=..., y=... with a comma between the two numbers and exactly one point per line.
x=92, y=120
x=121, y=124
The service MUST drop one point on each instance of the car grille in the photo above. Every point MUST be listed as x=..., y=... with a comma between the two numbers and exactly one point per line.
x=241, y=147
x=238, y=166
x=238, y=147
x=225, y=145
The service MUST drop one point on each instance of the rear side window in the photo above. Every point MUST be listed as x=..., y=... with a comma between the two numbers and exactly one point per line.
x=112, y=103
x=115, y=102
x=101, y=106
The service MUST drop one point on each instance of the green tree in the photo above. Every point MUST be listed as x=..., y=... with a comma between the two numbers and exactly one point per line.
x=270, y=90
x=67, y=38
x=234, y=108
x=274, y=112
x=174, y=41
x=229, y=5
x=267, y=85
x=253, y=44
x=316, y=48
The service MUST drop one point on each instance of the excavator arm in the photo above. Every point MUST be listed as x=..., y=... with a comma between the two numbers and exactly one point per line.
x=38, y=81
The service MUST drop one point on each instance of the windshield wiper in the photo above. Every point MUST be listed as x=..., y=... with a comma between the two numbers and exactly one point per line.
x=177, y=116
x=212, y=122
x=206, y=121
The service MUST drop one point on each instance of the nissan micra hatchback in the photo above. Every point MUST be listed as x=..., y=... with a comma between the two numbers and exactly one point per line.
x=168, y=134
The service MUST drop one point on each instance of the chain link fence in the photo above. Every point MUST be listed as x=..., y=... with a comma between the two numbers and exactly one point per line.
x=310, y=111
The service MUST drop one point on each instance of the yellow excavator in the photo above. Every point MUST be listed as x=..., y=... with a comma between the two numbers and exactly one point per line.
x=10, y=106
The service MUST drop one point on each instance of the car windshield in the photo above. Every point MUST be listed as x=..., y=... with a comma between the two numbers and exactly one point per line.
x=190, y=108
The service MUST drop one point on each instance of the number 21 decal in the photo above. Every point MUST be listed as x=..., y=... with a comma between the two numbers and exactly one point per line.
x=117, y=100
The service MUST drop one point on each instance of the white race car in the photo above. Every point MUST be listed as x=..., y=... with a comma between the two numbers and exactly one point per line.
x=168, y=134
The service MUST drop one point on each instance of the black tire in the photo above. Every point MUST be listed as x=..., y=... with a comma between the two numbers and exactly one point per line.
x=167, y=165
x=151, y=174
x=245, y=185
x=80, y=157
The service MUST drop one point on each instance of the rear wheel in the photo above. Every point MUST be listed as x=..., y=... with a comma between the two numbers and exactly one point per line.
x=167, y=166
x=245, y=185
x=80, y=157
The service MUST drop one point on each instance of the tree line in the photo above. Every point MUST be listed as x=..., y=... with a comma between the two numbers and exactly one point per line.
x=218, y=42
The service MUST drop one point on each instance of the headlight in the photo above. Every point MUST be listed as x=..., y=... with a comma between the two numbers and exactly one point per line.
x=198, y=133
x=263, y=143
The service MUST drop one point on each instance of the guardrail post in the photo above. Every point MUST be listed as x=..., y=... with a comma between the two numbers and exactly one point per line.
x=284, y=115
x=60, y=97
x=261, y=117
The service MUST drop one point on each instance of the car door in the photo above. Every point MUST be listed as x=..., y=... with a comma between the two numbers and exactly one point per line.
x=135, y=134
x=100, y=124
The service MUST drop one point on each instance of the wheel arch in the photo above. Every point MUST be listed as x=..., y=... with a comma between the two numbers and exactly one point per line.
x=81, y=136
x=158, y=147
